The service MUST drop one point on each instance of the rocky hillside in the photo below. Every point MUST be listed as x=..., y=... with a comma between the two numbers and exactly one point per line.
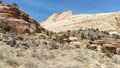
x=14, y=19
x=67, y=21
x=83, y=48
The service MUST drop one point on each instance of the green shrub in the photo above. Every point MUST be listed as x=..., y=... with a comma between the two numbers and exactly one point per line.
x=105, y=32
x=92, y=38
x=61, y=40
x=66, y=36
x=19, y=38
x=5, y=27
x=108, y=54
x=103, y=49
x=116, y=36
x=91, y=47
x=89, y=35
x=77, y=46
x=83, y=36
x=99, y=37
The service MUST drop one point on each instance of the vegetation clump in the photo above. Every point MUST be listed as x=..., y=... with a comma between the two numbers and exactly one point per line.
x=91, y=47
x=5, y=27
x=107, y=52
x=116, y=36
x=20, y=38
x=105, y=32
x=83, y=36
x=77, y=46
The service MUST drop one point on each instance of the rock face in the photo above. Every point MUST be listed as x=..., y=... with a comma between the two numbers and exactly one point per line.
x=57, y=17
x=67, y=21
x=19, y=21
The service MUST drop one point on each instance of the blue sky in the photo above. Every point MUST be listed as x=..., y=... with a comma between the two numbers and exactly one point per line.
x=42, y=9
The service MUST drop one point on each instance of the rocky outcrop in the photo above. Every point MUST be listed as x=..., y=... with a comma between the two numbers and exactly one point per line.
x=57, y=17
x=66, y=21
x=18, y=20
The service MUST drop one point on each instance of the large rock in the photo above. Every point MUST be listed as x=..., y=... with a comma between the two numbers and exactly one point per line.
x=18, y=20
x=66, y=21
x=57, y=17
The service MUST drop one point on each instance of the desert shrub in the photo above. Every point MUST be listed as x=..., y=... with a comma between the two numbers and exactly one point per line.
x=116, y=36
x=99, y=37
x=43, y=36
x=51, y=33
x=97, y=29
x=92, y=38
x=68, y=31
x=65, y=36
x=91, y=47
x=103, y=49
x=77, y=46
x=105, y=32
x=60, y=40
x=83, y=36
x=20, y=38
x=89, y=35
x=5, y=27
x=108, y=54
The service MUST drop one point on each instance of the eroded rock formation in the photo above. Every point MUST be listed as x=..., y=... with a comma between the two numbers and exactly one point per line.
x=66, y=21
x=18, y=20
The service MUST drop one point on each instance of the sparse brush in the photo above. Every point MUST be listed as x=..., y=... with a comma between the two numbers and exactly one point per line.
x=103, y=49
x=5, y=27
x=83, y=36
x=116, y=36
x=108, y=54
x=77, y=46
x=20, y=38
x=91, y=47
x=60, y=40
x=105, y=32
